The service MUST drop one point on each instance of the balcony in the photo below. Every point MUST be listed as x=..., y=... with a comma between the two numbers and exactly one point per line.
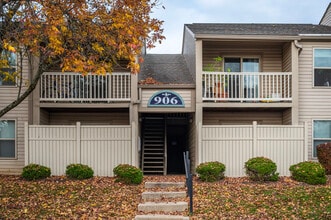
x=75, y=87
x=247, y=87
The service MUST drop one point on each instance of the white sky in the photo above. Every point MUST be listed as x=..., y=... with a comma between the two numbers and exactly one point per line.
x=180, y=12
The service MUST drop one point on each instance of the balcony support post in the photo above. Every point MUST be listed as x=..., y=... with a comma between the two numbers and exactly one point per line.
x=295, y=83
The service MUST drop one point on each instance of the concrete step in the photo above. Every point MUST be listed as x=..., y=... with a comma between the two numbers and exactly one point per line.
x=149, y=185
x=161, y=217
x=162, y=195
x=163, y=206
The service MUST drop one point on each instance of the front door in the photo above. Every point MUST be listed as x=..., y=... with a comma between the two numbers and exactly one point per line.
x=164, y=139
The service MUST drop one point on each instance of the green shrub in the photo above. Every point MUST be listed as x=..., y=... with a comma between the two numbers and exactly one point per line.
x=261, y=169
x=324, y=156
x=128, y=174
x=211, y=171
x=309, y=172
x=79, y=171
x=35, y=172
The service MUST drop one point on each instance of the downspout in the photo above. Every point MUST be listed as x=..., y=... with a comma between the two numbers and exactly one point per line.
x=298, y=46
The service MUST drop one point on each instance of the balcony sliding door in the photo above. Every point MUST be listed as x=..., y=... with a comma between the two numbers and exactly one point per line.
x=247, y=86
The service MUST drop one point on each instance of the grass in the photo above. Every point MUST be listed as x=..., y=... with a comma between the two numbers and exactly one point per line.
x=102, y=197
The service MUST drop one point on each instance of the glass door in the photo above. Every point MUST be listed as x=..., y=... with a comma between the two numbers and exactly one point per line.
x=250, y=66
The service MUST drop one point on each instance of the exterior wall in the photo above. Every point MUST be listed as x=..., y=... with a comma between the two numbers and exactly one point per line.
x=242, y=118
x=270, y=54
x=326, y=19
x=192, y=144
x=189, y=51
x=70, y=117
x=188, y=96
x=313, y=102
x=234, y=145
x=20, y=113
x=287, y=59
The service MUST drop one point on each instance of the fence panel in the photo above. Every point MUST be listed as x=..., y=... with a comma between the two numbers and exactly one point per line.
x=54, y=147
x=101, y=147
x=234, y=145
x=104, y=147
x=230, y=145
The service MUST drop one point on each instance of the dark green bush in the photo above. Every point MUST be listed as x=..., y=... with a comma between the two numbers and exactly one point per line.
x=211, y=171
x=261, y=169
x=35, y=172
x=308, y=172
x=324, y=156
x=128, y=174
x=79, y=171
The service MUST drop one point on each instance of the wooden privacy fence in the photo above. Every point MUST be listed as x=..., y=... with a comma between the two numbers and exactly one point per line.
x=100, y=147
x=234, y=145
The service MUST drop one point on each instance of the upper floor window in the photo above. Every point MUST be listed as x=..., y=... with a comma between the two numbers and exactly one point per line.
x=8, y=68
x=7, y=139
x=322, y=67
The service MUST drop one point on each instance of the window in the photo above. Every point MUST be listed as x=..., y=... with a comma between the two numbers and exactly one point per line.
x=250, y=81
x=322, y=67
x=321, y=133
x=9, y=64
x=7, y=139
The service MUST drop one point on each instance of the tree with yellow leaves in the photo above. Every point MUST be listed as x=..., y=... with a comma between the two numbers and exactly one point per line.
x=86, y=36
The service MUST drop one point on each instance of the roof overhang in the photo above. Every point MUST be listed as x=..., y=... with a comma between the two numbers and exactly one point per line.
x=246, y=37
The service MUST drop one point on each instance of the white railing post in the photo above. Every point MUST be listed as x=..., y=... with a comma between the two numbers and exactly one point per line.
x=305, y=145
x=199, y=142
x=133, y=145
x=78, y=141
x=254, y=138
x=26, y=144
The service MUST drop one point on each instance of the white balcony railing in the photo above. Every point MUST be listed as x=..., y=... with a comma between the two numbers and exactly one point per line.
x=243, y=86
x=75, y=87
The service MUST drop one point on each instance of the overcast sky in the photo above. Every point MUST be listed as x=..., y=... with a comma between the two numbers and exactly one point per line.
x=180, y=12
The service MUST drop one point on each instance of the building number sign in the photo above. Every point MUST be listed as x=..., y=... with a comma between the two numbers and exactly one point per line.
x=166, y=98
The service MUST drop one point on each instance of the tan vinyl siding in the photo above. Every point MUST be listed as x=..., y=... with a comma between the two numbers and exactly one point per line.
x=89, y=118
x=270, y=54
x=189, y=51
x=287, y=59
x=287, y=117
x=314, y=103
x=242, y=118
x=44, y=117
x=326, y=20
x=20, y=113
x=192, y=143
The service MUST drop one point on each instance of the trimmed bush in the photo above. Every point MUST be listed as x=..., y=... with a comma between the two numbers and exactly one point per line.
x=308, y=172
x=324, y=156
x=79, y=171
x=261, y=169
x=128, y=174
x=35, y=172
x=211, y=171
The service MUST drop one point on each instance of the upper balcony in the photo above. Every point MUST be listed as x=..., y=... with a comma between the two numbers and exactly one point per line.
x=247, y=87
x=75, y=87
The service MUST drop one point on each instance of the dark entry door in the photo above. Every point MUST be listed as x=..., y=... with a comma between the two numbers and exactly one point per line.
x=176, y=145
x=164, y=139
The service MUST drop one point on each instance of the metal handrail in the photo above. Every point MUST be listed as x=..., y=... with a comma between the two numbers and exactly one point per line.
x=189, y=180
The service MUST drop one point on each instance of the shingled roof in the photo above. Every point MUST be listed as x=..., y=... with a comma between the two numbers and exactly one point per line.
x=257, y=29
x=165, y=69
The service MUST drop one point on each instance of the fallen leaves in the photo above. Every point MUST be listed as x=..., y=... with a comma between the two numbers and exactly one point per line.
x=102, y=198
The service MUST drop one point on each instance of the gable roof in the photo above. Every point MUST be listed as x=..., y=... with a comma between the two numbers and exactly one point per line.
x=165, y=69
x=257, y=29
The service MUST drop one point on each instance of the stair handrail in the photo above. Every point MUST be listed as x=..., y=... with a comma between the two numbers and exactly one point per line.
x=189, y=180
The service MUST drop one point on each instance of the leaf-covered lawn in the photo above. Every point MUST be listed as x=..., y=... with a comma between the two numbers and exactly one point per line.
x=102, y=197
